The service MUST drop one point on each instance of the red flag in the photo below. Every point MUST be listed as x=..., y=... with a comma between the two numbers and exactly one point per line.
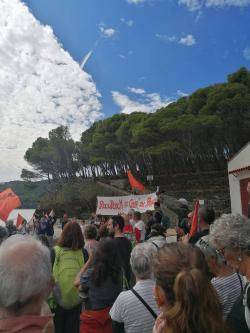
x=8, y=201
x=194, y=224
x=135, y=184
x=19, y=220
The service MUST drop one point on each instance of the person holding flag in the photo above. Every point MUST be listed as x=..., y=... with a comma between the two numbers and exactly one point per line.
x=21, y=225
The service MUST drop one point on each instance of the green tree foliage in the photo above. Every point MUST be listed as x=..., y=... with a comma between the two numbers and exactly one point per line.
x=195, y=133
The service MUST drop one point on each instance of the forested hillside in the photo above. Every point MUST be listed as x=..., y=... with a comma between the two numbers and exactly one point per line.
x=194, y=134
x=30, y=193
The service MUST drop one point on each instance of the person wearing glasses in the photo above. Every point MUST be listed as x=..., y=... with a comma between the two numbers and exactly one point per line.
x=228, y=283
x=230, y=234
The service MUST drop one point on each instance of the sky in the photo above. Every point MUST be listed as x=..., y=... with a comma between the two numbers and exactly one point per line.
x=72, y=62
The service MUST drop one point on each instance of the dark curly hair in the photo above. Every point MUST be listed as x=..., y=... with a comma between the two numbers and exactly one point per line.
x=106, y=263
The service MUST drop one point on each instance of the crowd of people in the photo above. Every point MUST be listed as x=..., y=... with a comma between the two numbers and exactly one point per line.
x=128, y=273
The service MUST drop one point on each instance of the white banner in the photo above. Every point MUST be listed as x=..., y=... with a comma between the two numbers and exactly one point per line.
x=119, y=205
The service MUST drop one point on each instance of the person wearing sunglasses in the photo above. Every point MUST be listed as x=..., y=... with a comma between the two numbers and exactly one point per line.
x=230, y=234
x=228, y=283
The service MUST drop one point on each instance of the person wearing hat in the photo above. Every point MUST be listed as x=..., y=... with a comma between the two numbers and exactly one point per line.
x=182, y=213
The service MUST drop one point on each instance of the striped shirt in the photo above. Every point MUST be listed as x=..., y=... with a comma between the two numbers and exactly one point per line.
x=229, y=290
x=128, y=309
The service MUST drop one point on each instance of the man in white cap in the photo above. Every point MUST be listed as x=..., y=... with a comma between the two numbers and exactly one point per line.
x=182, y=213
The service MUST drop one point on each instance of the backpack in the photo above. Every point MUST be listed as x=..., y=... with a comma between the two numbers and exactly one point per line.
x=67, y=265
x=42, y=226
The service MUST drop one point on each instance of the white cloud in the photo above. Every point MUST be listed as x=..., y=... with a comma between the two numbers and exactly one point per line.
x=141, y=2
x=41, y=87
x=136, y=2
x=191, y=5
x=194, y=5
x=166, y=38
x=138, y=91
x=189, y=40
x=246, y=53
x=125, y=56
x=129, y=23
x=107, y=32
x=181, y=93
x=144, y=103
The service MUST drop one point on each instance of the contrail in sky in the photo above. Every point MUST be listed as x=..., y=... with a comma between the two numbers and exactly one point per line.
x=88, y=55
x=86, y=58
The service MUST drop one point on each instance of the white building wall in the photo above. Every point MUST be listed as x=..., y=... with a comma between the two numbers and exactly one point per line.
x=241, y=160
x=235, y=196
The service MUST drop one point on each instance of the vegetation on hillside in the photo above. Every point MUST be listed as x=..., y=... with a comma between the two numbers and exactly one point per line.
x=195, y=133
x=30, y=193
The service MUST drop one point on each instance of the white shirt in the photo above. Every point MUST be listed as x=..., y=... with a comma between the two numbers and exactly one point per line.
x=140, y=225
x=128, y=309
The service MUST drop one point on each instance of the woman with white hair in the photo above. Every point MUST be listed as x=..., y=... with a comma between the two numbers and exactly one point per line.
x=26, y=281
x=135, y=310
x=230, y=234
x=227, y=282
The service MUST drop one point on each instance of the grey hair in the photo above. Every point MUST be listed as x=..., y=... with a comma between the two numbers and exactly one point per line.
x=232, y=232
x=25, y=271
x=141, y=260
x=209, y=251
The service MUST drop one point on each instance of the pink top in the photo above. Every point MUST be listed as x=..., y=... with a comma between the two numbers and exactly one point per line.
x=24, y=324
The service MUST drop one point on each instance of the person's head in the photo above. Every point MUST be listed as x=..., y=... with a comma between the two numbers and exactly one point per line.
x=11, y=228
x=103, y=231
x=183, y=202
x=141, y=260
x=3, y=234
x=137, y=216
x=131, y=214
x=183, y=290
x=206, y=216
x=9, y=224
x=215, y=260
x=157, y=230
x=148, y=215
x=25, y=275
x=106, y=262
x=230, y=235
x=157, y=205
x=90, y=232
x=115, y=225
x=44, y=240
x=71, y=236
